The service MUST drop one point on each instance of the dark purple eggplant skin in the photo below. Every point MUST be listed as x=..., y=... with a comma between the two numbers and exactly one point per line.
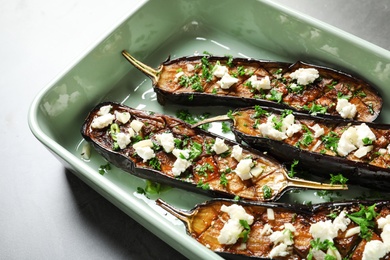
x=125, y=163
x=359, y=173
x=207, y=99
x=309, y=211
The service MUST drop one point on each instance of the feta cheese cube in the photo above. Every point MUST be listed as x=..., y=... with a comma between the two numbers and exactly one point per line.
x=136, y=125
x=237, y=152
x=263, y=83
x=318, y=130
x=180, y=166
x=104, y=110
x=345, y=109
x=227, y=81
x=102, y=121
x=219, y=146
x=219, y=71
x=123, y=139
x=243, y=169
x=166, y=140
x=122, y=117
x=305, y=76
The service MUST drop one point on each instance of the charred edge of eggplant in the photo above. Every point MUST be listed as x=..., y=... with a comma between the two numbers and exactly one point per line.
x=298, y=208
x=306, y=210
x=359, y=173
x=127, y=165
x=199, y=98
x=286, y=66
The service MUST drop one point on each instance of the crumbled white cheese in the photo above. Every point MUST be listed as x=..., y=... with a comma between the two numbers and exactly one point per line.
x=143, y=143
x=352, y=231
x=146, y=153
x=263, y=83
x=278, y=237
x=104, y=110
x=181, y=164
x=323, y=230
x=227, y=81
x=230, y=232
x=288, y=129
x=347, y=141
x=345, y=109
x=136, y=125
x=270, y=214
x=257, y=170
x=341, y=221
x=362, y=151
x=123, y=139
x=279, y=250
x=219, y=146
x=144, y=149
x=166, y=140
x=179, y=153
x=383, y=221
x=232, y=229
x=237, y=212
x=122, y=117
x=317, y=144
x=318, y=130
x=237, y=152
x=352, y=139
x=268, y=130
x=219, y=71
x=266, y=230
x=305, y=76
x=363, y=132
x=374, y=249
x=102, y=121
x=243, y=169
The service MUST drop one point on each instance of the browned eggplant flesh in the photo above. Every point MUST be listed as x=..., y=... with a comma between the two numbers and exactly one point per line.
x=211, y=80
x=167, y=150
x=344, y=230
x=361, y=150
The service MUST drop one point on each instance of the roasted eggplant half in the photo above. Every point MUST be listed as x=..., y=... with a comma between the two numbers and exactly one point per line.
x=167, y=150
x=211, y=80
x=358, y=150
x=342, y=230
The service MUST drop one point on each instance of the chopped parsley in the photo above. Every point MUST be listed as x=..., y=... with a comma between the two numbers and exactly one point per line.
x=365, y=218
x=155, y=163
x=186, y=116
x=267, y=192
x=225, y=127
x=204, y=186
x=338, y=179
x=152, y=188
x=104, y=168
x=292, y=172
x=315, y=109
x=259, y=112
x=331, y=141
x=275, y=96
x=317, y=244
x=247, y=229
x=367, y=141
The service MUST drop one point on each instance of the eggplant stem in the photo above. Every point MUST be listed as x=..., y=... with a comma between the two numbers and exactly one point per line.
x=300, y=183
x=141, y=66
x=184, y=216
x=210, y=120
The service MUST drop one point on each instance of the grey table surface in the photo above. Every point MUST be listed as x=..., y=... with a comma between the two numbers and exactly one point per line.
x=45, y=211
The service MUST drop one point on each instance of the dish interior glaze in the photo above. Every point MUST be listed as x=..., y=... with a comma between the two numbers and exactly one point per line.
x=156, y=30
